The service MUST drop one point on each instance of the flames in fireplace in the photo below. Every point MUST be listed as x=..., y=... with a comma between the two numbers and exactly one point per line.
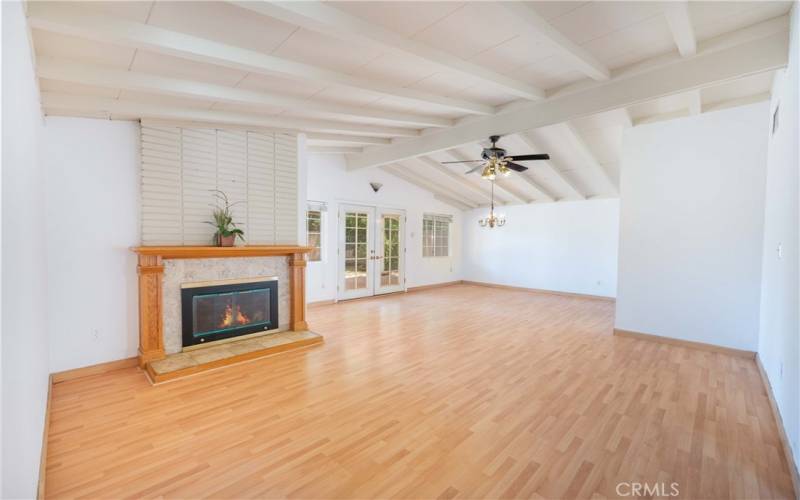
x=230, y=319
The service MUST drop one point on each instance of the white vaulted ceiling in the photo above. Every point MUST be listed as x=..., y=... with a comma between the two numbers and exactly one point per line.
x=406, y=85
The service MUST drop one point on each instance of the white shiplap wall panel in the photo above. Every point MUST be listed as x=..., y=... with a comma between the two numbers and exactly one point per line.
x=161, y=186
x=199, y=180
x=181, y=167
x=285, y=188
x=261, y=187
x=232, y=173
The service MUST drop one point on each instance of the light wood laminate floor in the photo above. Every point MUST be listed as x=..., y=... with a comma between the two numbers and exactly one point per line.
x=457, y=392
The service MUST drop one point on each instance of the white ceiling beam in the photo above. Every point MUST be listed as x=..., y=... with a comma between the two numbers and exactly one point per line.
x=500, y=195
x=87, y=74
x=695, y=102
x=660, y=117
x=625, y=117
x=551, y=165
x=407, y=175
x=55, y=103
x=680, y=24
x=580, y=58
x=333, y=149
x=316, y=137
x=71, y=20
x=580, y=145
x=716, y=106
x=324, y=18
x=720, y=62
x=738, y=101
x=458, y=179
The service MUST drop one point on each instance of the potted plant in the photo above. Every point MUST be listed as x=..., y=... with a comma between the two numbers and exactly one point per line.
x=226, y=230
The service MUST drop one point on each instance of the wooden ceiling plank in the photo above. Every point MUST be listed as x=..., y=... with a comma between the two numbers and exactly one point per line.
x=724, y=59
x=423, y=183
x=322, y=18
x=459, y=179
x=551, y=165
x=76, y=103
x=575, y=138
x=580, y=58
x=87, y=74
x=349, y=139
x=69, y=20
x=333, y=149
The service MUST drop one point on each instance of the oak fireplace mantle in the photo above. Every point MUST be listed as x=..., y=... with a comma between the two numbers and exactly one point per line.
x=151, y=272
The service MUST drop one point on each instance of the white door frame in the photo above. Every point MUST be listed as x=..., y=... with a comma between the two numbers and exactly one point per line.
x=374, y=239
x=379, y=250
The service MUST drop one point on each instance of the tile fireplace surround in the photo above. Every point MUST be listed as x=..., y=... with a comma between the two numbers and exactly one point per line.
x=162, y=269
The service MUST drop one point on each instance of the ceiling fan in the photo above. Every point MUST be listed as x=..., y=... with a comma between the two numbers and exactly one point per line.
x=494, y=161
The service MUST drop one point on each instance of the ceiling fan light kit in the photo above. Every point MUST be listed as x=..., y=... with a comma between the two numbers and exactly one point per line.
x=494, y=161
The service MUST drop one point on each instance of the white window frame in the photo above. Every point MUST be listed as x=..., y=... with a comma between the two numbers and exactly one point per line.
x=321, y=208
x=437, y=221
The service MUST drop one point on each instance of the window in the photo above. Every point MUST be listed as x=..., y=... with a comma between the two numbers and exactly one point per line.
x=436, y=235
x=314, y=231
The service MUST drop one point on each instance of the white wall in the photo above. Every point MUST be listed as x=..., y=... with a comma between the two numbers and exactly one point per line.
x=92, y=200
x=565, y=247
x=778, y=345
x=328, y=181
x=692, y=213
x=25, y=350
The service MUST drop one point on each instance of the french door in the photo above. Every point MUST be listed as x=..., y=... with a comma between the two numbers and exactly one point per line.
x=371, y=251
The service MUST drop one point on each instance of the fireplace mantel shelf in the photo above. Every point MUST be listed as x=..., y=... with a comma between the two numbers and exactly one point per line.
x=209, y=252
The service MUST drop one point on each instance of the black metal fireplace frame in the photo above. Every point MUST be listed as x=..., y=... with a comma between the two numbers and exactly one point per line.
x=189, y=292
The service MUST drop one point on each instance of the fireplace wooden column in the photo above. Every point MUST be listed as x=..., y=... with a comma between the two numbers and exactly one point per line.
x=297, y=282
x=151, y=273
x=151, y=337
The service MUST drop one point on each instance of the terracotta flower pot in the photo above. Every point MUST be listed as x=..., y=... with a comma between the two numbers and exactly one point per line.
x=227, y=241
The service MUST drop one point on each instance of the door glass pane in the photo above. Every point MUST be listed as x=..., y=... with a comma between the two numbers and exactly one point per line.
x=355, y=250
x=391, y=251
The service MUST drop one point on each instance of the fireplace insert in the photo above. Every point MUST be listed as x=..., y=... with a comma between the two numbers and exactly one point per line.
x=224, y=309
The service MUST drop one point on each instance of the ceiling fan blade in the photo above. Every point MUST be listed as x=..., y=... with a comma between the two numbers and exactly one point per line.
x=515, y=167
x=530, y=157
x=474, y=169
x=463, y=161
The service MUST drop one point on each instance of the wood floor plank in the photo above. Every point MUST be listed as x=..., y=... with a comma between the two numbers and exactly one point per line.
x=456, y=392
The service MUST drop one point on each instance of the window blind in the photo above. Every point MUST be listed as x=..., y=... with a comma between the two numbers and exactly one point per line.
x=181, y=168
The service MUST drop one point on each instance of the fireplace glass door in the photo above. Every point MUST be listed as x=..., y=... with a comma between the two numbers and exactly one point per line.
x=214, y=312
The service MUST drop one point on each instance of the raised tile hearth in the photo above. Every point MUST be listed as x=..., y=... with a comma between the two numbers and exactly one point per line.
x=206, y=358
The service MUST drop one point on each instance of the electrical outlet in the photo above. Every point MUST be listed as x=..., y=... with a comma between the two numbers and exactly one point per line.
x=780, y=250
x=599, y=282
x=781, y=370
x=95, y=334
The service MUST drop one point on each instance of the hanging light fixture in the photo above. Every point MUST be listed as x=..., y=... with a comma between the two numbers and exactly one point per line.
x=492, y=220
x=493, y=167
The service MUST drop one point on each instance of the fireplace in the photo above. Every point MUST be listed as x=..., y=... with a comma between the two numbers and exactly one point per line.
x=225, y=309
